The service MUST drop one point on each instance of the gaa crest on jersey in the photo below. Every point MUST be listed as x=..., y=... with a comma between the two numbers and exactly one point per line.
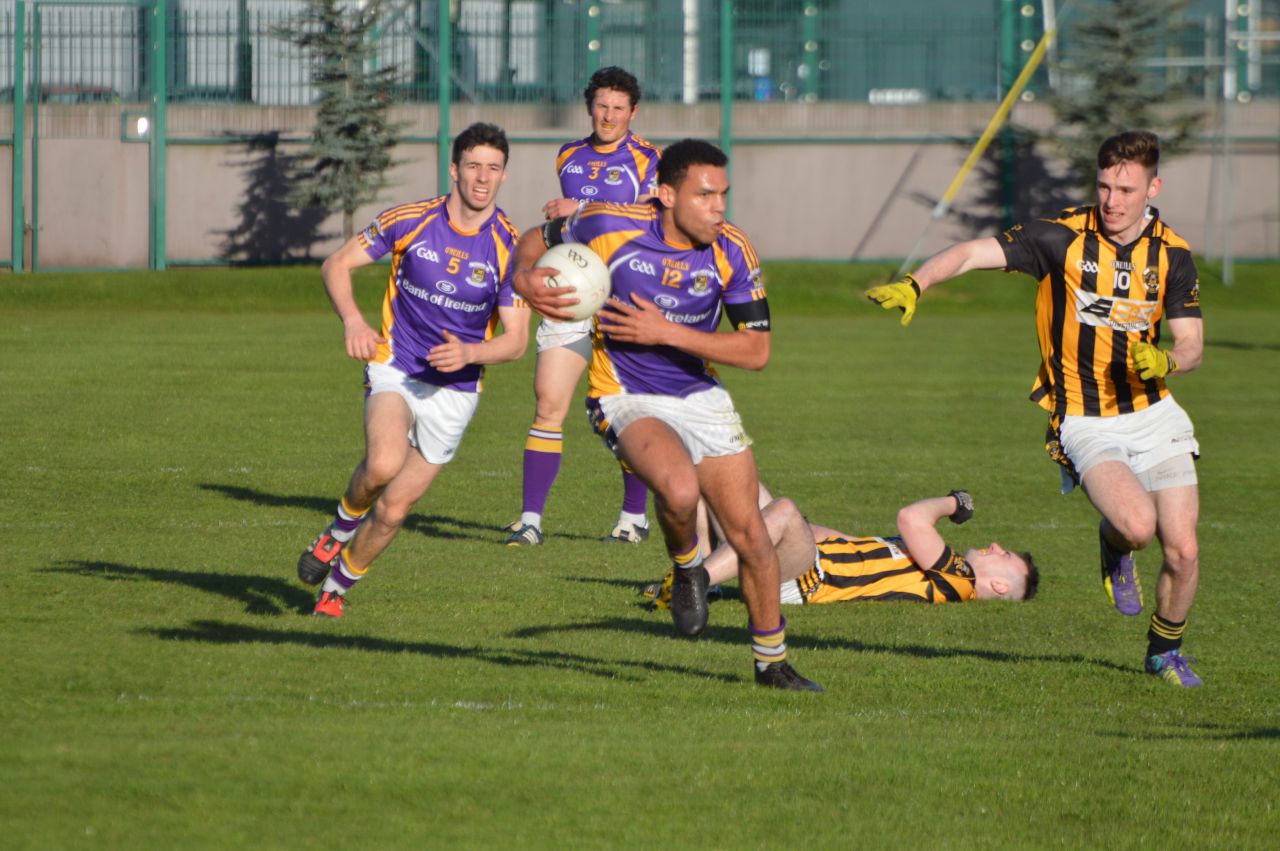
x=613, y=176
x=701, y=282
x=477, y=278
x=1151, y=280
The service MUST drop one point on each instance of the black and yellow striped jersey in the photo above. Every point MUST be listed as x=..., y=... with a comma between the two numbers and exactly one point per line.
x=1095, y=300
x=857, y=569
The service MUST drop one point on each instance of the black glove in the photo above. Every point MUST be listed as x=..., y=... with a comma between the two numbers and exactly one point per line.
x=964, y=507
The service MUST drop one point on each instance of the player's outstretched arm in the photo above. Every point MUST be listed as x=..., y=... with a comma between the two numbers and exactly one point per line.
x=530, y=283
x=984, y=253
x=917, y=522
x=361, y=340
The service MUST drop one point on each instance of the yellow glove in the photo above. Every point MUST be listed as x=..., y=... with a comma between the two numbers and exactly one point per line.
x=902, y=295
x=1151, y=362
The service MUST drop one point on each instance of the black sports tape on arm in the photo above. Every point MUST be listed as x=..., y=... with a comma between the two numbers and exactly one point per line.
x=749, y=315
x=553, y=231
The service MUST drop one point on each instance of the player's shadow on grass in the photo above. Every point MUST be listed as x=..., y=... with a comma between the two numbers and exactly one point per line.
x=734, y=635
x=1216, y=732
x=727, y=592
x=431, y=525
x=261, y=595
x=216, y=632
x=1243, y=347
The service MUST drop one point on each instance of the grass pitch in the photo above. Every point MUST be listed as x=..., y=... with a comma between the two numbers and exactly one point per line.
x=172, y=441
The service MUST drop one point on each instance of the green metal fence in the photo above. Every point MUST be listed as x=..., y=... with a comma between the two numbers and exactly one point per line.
x=538, y=51
x=144, y=55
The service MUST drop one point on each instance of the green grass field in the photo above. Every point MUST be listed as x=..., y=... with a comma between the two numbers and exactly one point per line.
x=172, y=441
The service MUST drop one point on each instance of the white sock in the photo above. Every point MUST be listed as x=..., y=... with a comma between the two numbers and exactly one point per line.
x=528, y=518
x=633, y=519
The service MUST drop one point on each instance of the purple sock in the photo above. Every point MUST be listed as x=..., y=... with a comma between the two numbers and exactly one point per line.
x=542, y=453
x=635, y=494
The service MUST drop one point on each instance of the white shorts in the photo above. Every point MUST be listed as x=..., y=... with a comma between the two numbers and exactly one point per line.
x=574, y=335
x=1143, y=440
x=440, y=414
x=706, y=422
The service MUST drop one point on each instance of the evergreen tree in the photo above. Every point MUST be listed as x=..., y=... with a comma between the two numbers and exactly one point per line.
x=1105, y=87
x=350, y=147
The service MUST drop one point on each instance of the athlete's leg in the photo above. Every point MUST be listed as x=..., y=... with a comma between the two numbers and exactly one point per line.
x=555, y=378
x=390, y=511
x=791, y=537
x=730, y=485
x=656, y=454
x=386, y=435
x=1128, y=511
x=386, y=425
x=1179, y=511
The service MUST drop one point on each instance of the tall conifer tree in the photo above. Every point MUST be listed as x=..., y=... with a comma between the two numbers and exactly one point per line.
x=350, y=148
x=1105, y=86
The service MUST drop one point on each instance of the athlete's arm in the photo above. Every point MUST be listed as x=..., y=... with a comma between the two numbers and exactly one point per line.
x=531, y=284
x=361, y=340
x=1188, y=342
x=983, y=253
x=642, y=322
x=453, y=354
x=558, y=208
x=916, y=524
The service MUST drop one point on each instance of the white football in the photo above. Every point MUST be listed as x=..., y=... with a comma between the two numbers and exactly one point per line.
x=581, y=269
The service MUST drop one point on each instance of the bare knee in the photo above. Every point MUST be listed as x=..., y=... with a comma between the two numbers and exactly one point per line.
x=1182, y=557
x=1137, y=526
x=781, y=513
x=679, y=494
x=390, y=515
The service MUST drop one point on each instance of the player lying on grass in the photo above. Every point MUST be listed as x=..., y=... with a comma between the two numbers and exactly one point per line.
x=823, y=565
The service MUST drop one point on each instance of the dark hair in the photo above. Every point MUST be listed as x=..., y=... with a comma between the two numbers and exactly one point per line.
x=1033, y=577
x=614, y=78
x=1132, y=146
x=479, y=134
x=679, y=156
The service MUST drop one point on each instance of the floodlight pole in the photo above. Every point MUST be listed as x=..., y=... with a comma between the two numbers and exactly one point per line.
x=19, y=236
x=158, y=132
x=444, y=93
x=726, y=91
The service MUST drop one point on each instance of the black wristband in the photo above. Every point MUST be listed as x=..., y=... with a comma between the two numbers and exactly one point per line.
x=910, y=279
x=964, y=507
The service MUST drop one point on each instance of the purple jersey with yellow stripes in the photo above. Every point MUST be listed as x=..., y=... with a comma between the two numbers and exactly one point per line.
x=622, y=172
x=442, y=278
x=689, y=284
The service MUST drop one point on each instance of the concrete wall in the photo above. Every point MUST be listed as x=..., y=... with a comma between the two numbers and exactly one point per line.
x=840, y=182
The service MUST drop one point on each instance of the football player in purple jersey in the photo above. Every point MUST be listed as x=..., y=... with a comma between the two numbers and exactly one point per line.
x=450, y=286
x=612, y=164
x=677, y=267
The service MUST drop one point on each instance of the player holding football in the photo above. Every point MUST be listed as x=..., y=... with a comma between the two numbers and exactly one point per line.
x=450, y=286
x=1110, y=275
x=612, y=164
x=823, y=565
x=653, y=396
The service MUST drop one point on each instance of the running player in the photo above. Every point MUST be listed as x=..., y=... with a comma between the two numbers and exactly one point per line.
x=1110, y=276
x=450, y=286
x=653, y=396
x=612, y=164
x=823, y=565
